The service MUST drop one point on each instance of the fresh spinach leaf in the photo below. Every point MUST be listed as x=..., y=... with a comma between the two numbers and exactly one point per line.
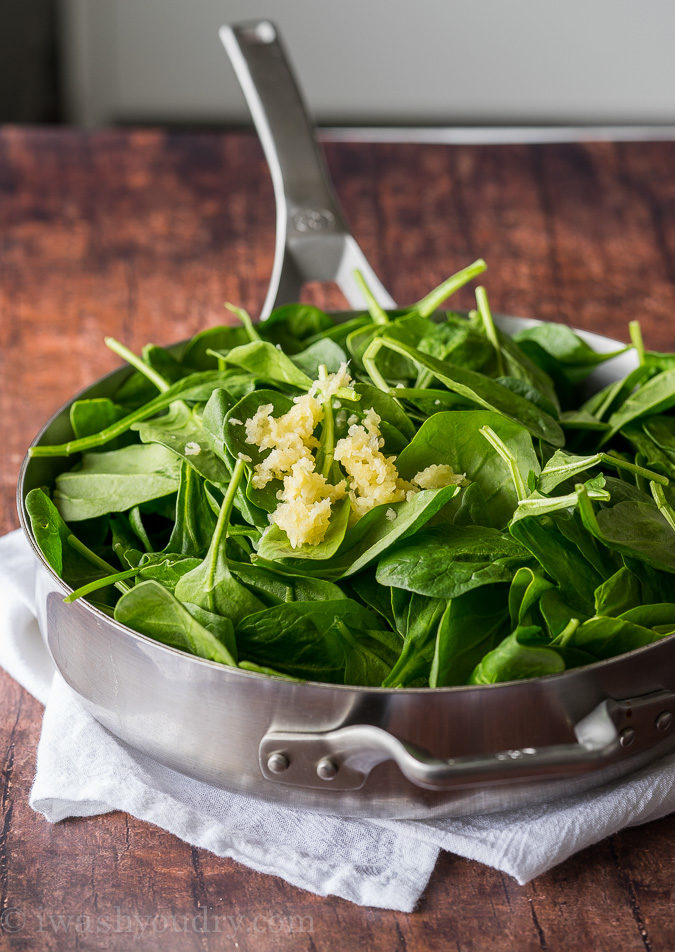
x=266, y=362
x=472, y=625
x=479, y=389
x=329, y=641
x=116, y=480
x=454, y=438
x=447, y=561
x=518, y=657
x=211, y=585
x=151, y=609
x=414, y=662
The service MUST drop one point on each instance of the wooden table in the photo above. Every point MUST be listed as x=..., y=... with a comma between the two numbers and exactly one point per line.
x=143, y=235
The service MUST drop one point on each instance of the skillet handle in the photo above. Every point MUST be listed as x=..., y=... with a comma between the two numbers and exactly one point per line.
x=313, y=242
x=342, y=759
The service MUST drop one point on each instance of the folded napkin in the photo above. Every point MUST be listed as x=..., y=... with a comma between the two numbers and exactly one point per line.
x=82, y=770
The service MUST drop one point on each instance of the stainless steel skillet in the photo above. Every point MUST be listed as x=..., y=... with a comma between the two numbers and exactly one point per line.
x=353, y=751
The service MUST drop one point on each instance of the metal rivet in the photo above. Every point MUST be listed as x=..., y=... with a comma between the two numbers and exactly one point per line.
x=326, y=769
x=277, y=762
x=664, y=721
x=627, y=736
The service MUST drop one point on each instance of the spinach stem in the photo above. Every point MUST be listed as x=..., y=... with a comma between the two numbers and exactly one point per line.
x=587, y=511
x=346, y=393
x=561, y=639
x=613, y=459
x=95, y=559
x=368, y=360
x=665, y=508
x=377, y=313
x=245, y=319
x=137, y=362
x=426, y=306
x=489, y=327
x=101, y=583
x=104, y=436
x=540, y=506
x=327, y=449
x=220, y=531
x=136, y=522
x=489, y=434
x=397, y=673
x=635, y=332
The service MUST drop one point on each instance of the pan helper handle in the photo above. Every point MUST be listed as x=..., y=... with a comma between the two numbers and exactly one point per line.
x=342, y=759
x=313, y=242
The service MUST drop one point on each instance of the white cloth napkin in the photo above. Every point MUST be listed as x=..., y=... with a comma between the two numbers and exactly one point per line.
x=82, y=770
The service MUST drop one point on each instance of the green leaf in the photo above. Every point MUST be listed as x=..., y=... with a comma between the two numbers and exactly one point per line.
x=562, y=354
x=373, y=595
x=196, y=387
x=231, y=425
x=216, y=426
x=445, y=562
x=115, y=481
x=618, y=593
x=48, y=527
x=275, y=544
x=321, y=353
x=52, y=536
x=472, y=625
x=274, y=589
x=153, y=611
x=481, y=390
x=453, y=438
x=559, y=557
x=92, y=415
x=166, y=567
x=414, y=662
x=655, y=396
x=633, y=528
x=376, y=531
x=518, y=657
x=659, y=617
x=603, y=638
x=525, y=592
x=337, y=642
x=661, y=429
x=294, y=325
x=233, y=432
x=266, y=362
x=222, y=338
x=606, y=400
x=182, y=432
x=563, y=466
x=385, y=405
x=195, y=522
x=211, y=585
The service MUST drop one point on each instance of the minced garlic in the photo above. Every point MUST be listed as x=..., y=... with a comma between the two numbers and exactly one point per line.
x=305, y=502
x=289, y=437
x=373, y=477
x=305, y=508
x=438, y=475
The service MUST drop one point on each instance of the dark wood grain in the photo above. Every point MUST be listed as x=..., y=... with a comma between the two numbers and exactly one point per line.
x=143, y=235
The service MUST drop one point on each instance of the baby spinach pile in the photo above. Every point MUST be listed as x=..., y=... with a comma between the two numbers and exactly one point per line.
x=558, y=551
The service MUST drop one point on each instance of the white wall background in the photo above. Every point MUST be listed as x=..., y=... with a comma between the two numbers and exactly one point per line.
x=384, y=61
